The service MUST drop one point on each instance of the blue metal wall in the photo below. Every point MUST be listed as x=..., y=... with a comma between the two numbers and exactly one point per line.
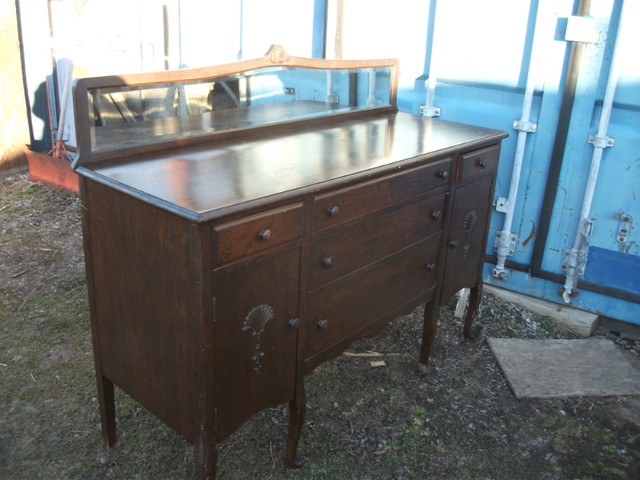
x=566, y=109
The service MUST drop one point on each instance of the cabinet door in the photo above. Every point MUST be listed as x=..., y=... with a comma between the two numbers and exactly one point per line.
x=467, y=235
x=255, y=312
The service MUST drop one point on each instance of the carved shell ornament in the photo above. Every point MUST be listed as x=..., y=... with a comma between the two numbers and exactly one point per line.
x=255, y=323
x=257, y=319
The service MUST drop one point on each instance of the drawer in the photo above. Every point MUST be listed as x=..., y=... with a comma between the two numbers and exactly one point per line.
x=353, y=247
x=362, y=199
x=259, y=232
x=478, y=162
x=352, y=303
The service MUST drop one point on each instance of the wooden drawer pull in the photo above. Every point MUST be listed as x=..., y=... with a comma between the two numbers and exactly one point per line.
x=323, y=324
x=333, y=210
x=327, y=262
x=264, y=235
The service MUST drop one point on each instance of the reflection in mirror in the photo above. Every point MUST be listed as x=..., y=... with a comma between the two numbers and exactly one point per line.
x=134, y=115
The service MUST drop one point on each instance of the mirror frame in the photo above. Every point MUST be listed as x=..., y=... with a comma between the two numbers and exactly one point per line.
x=275, y=57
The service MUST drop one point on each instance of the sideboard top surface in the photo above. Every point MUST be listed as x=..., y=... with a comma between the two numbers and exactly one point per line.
x=205, y=181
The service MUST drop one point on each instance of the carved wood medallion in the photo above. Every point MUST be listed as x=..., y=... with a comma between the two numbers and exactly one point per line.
x=255, y=323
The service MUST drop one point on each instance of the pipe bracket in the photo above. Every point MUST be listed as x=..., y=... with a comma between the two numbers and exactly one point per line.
x=505, y=243
x=524, y=126
x=332, y=98
x=601, y=142
x=502, y=204
x=430, y=111
x=575, y=261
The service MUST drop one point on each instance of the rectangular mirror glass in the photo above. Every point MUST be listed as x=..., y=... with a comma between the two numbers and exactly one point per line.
x=134, y=115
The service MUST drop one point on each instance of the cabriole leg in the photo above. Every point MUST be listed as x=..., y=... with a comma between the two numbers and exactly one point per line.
x=206, y=457
x=297, y=410
x=107, y=410
x=475, y=294
x=429, y=327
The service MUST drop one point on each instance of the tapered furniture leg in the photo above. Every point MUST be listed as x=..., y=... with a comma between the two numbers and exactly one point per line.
x=107, y=410
x=297, y=410
x=475, y=295
x=206, y=457
x=428, y=334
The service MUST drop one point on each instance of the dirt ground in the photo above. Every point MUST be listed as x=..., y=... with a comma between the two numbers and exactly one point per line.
x=460, y=421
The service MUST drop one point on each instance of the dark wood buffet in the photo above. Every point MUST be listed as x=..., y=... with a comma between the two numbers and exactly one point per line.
x=245, y=223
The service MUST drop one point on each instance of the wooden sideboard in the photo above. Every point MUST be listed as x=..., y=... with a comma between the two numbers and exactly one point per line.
x=225, y=266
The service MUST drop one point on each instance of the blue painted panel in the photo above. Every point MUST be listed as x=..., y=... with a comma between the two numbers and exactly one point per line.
x=614, y=269
x=596, y=303
x=618, y=184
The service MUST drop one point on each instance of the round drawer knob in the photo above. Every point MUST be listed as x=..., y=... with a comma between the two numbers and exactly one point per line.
x=327, y=262
x=264, y=235
x=294, y=323
x=481, y=163
x=430, y=266
x=443, y=174
x=453, y=244
x=436, y=214
x=333, y=210
x=323, y=324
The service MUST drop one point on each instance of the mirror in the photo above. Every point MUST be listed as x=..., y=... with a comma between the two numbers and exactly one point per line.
x=133, y=115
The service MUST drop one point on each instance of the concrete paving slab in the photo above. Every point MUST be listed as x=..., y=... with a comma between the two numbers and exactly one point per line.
x=565, y=368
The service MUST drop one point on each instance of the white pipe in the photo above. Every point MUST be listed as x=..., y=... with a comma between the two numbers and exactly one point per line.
x=577, y=256
x=431, y=87
x=543, y=32
x=605, y=115
x=428, y=110
x=372, y=100
x=330, y=97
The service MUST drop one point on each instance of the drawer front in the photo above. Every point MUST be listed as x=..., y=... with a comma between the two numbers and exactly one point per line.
x=479, y=162
x=360, y=200
x=344, y=307
x=259, y=232
x=354, y=247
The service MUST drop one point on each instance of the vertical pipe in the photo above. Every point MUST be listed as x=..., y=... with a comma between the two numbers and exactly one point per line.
x=575, y=56
x=241, y=32
x=428, y=110
x=371, y=97
x=165, y=29
x=576, y=258
x=339, y=30
x=605, y=115
x=544, y=23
